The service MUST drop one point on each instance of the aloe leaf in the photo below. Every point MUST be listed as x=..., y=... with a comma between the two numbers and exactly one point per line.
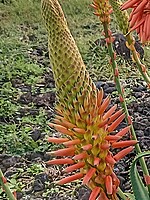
x=139, y=190
x=131, y=196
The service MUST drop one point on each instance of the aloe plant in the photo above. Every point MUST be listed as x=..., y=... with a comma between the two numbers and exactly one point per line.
x=82, y=115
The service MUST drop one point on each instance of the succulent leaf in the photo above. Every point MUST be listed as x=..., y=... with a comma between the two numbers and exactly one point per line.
x=140, y=191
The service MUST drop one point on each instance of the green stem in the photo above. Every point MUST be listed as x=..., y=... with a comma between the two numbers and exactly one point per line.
x=145, y=75
x=121, y=194
x=122, y=18
x=124, y=106
x=6, y=187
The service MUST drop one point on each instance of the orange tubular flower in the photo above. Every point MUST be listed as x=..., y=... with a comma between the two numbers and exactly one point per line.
x=139, y=18
x=102, y=9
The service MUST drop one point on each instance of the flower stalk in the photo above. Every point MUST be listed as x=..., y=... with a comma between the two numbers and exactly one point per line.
x=141, y=67
x=4, y=184
x=122, y=18
x=120, y=90
x=123, y=103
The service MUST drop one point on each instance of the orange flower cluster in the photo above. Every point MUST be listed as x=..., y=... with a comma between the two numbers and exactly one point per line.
x=139, y=17
x=88, y=149
x=103, y=10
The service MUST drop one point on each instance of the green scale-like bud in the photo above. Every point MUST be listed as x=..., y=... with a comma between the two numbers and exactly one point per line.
x=122, y=17
x=67, y=65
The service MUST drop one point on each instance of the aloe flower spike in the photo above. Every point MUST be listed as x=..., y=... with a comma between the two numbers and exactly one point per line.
x=82, y=115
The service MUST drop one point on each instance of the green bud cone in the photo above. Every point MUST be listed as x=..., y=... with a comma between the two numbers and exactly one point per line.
x=69, y=70
x=122, y=17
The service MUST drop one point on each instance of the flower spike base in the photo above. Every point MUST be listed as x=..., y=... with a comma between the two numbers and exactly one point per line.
x=83, y=117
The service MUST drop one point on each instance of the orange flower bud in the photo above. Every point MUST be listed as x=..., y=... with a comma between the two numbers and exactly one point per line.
x=89, y=175
x=123, y=153
x=108, y=183
x=94, y=193
x=74, y=167
x=70, y=178
x=60, y=161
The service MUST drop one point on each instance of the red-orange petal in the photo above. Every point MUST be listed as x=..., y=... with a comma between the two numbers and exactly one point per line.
x=129, y=4
x=60, y=161
x=64, y=122
x=63, y=152
x=100, y=95
x=112, y=138
x=57, y=140
x=80, y=156
x=89, y=175
x=61, y=129
x=72, y=142
x=103, y=123
x=137, y=24
x=115, y=116
x=116, y=123
x=93, y=6
x=74, y=167
x=110, y=159
x=109, y=112
x=147, y=179
x=70, y=178
x=123, y=153
x=105, y=146
x=116, y=181
x=96, y=13
x=79, y=130
x=123, y=131
x=102, y=196
x=94, y=193
x=87, y=147
x=109, y=184
x=104, y=105
x=140, y=6
x=97, y=161
x=123, y=144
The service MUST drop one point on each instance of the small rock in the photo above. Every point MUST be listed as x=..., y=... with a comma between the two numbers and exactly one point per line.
x=147, y=131
x=109, y=90
x=138, y=89
x=34, y=155
x=10, y=161
x=43, y=177
x=140, y=109
x=100, y=84
x=82, y=193
x=38, y=186
x=138, y=94
x=26, y=98
x=138, y=126
x=122, y=180
x=139, y=133
x=36, y=134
